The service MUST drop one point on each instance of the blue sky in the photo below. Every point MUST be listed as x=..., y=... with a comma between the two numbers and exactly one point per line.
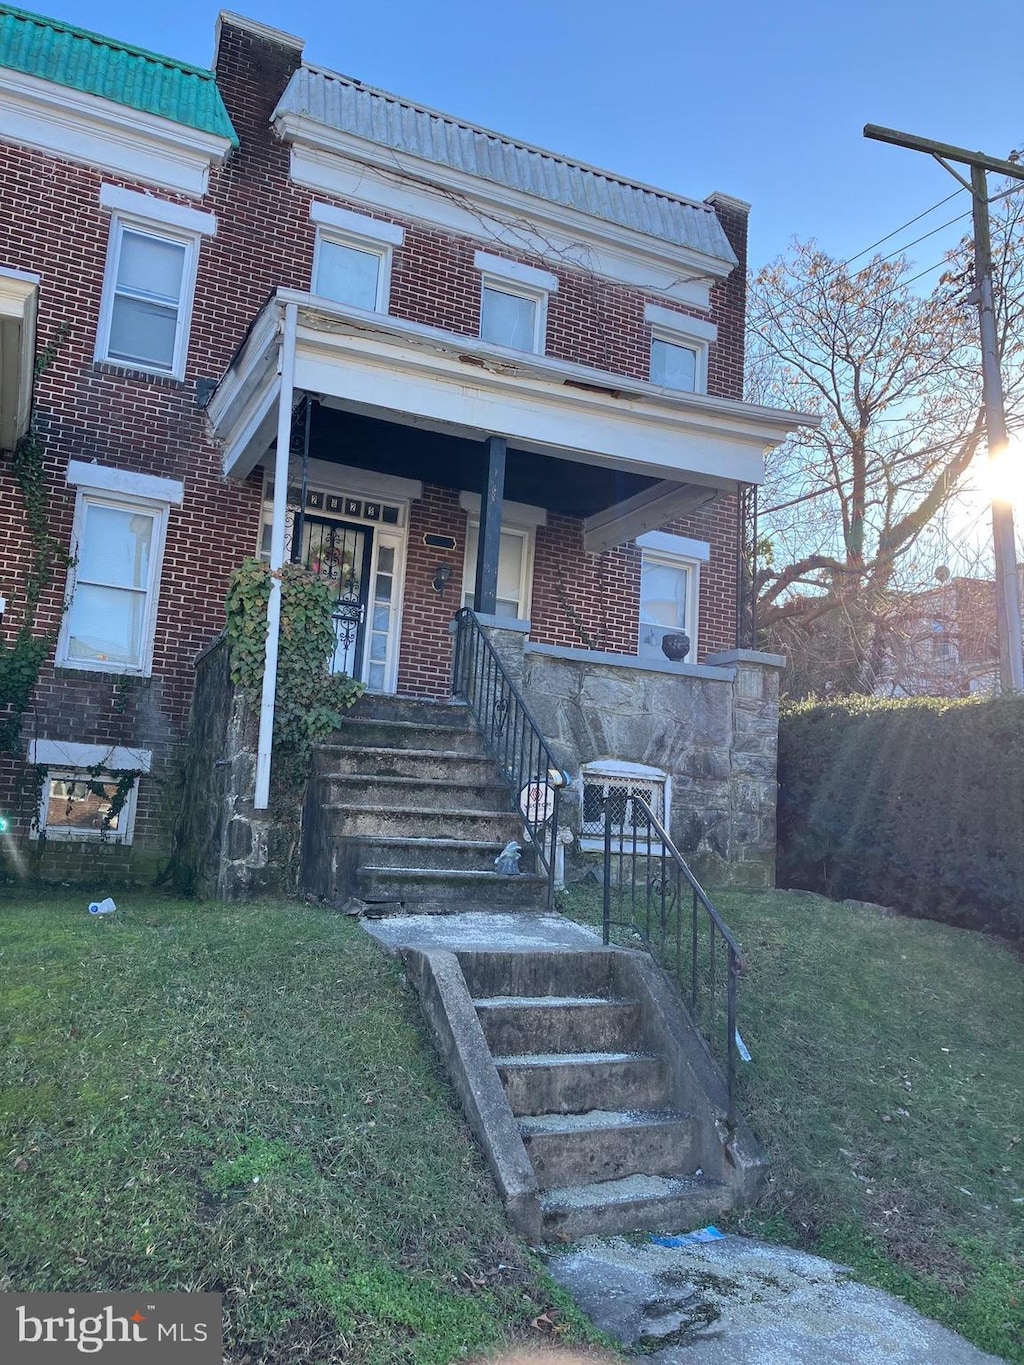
x=763, y=101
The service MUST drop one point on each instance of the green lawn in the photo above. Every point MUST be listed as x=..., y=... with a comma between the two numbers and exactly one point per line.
x=241, y=1099
x=887, y=1084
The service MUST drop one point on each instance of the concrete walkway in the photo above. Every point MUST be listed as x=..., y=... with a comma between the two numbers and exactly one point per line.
x=742, y=1302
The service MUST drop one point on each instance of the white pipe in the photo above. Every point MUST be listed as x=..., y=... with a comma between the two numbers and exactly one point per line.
x=277, y=529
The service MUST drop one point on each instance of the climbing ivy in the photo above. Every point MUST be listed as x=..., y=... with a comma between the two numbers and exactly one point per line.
x=310, y=699
x=21, y=661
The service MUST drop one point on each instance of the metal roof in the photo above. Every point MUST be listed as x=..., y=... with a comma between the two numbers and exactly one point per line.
x=348, y=106
x=58, y=52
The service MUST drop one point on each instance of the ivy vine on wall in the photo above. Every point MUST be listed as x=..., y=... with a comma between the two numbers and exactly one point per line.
x=310, y=699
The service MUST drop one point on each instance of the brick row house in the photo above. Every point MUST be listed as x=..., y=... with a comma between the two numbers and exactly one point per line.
x=275, y=311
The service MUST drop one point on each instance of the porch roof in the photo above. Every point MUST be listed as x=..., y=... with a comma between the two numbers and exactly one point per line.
x=18, y=291
x=689, y=446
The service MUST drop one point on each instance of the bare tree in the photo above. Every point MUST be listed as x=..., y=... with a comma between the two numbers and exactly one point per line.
x=894, y=377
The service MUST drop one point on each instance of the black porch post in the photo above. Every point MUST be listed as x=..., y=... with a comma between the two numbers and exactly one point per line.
x=485, y=589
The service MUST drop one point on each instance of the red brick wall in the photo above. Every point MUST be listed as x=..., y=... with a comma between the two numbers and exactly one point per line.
x=53, y=225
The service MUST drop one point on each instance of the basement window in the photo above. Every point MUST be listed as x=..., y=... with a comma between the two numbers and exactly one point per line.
x=76, y=805
x=618, y=782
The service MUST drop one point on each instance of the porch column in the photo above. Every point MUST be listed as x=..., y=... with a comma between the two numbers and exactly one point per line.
x=485, y=589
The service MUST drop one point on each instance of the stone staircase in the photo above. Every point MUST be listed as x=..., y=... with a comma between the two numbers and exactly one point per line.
x=407, y=811
x=604, y=1084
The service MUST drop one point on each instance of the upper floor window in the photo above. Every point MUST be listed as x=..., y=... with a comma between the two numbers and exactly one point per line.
x=352, y=257
x=149, y=283
x=679, y=349
x=513, y=303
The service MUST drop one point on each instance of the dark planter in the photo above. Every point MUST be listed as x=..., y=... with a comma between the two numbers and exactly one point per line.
x=675, y=647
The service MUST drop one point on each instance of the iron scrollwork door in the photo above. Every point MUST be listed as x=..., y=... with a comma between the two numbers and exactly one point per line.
x=339, y=553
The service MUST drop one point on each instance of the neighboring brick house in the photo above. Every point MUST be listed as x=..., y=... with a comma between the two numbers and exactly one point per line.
x=943, y=642
x=431, y=315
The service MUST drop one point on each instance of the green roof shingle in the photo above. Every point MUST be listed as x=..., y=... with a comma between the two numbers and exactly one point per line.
x=58, y=52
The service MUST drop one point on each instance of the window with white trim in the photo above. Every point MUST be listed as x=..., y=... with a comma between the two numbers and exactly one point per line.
x=113, y=584
x=669, y=593
x=77, y=804
x=515, y=571
x=513, y=303
x=618, y=782
x=146, y=308
x=352, y=257
x=679, y=349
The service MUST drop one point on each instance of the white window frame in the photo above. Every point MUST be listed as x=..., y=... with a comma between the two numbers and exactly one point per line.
x=528, y=535
x=91, y=496
x=68, y=833
x=521, y=281
x=691, y=334
x=342, y=227
x=654, y=552
x=620, y=772
x=151, y=217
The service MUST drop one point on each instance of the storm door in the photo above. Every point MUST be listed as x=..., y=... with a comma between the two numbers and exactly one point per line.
x=339, y=553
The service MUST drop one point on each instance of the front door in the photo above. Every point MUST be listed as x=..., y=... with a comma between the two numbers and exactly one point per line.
x=340, y=554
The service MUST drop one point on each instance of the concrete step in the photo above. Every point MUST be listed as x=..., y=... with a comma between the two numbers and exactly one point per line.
x=576, y=1082
x=468, y=855
x=455, y=887
x=440, y=765
x=353, y=820
x=638, y=1203
x=538, y=974
x=414, y=710
x=395, y=792
x=521, y=1024
x=405, y=734
x=577, y=1149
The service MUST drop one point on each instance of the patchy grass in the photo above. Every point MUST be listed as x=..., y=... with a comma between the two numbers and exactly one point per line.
x=241, y=1099
x=887, y=1085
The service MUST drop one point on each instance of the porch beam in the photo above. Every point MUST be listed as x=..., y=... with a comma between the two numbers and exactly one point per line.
x=648, y=511
x=485, y=589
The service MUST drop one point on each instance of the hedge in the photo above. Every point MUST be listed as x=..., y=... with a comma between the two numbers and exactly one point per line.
x=915, y=804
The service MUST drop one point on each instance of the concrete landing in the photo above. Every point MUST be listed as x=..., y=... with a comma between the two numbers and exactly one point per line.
x=743, y=1302
x=480, y=931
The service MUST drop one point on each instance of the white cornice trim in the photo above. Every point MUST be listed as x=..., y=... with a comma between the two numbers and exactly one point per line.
x=126, y=481
x=356, y=224
x=512, y=513
x=671, y=544
x=146, y=206
x=490, y=213
x=258, y=30
x=98, y=132
x=401, y=370
x=529, y=275
x=67, y=753
x=665, y=320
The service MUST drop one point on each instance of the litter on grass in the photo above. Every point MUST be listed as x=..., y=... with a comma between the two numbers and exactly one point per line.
x=741, y=1048
x=708, y=1234
x=103, y=907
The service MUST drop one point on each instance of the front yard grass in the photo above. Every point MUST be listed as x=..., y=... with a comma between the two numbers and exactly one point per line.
x=241, y=1099
x=887, y=1085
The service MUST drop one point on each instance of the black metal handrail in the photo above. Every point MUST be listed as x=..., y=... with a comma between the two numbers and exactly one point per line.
x=650, y=878
x=512, y=737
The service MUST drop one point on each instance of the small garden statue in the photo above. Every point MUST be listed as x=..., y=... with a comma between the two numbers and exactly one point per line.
x=507, y=861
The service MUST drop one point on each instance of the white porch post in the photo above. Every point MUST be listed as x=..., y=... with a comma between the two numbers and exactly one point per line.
x=277, y=529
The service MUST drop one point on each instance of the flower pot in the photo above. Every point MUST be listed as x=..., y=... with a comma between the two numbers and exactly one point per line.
x=675, y=647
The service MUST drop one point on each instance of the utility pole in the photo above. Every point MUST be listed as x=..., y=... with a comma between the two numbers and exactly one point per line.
x=1011, y=648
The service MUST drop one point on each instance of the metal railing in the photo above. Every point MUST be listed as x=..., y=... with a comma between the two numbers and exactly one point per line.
x=656, y=897
x=512, y=738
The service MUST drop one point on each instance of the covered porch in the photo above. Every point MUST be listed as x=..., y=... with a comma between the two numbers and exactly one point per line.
x=425, y=470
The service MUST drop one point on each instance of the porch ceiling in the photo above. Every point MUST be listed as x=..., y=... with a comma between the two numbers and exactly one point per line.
x=411, y=400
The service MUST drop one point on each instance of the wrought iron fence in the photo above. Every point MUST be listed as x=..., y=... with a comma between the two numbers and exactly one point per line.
x=650, y=891
x=512, y=737
x=747, y=630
